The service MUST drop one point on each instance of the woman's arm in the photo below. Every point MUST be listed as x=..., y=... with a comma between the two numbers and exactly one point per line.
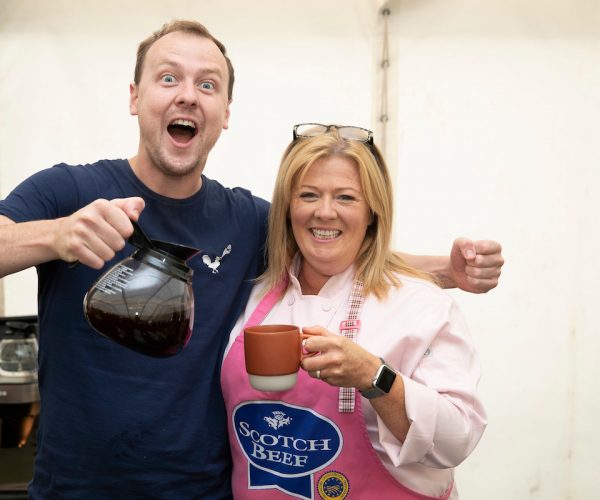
x=432, y=414
x=344, y=363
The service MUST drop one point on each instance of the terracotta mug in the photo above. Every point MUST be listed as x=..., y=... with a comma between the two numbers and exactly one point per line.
x=273, y=354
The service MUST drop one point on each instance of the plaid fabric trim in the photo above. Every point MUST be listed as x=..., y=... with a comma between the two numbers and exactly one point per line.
x=349, y=328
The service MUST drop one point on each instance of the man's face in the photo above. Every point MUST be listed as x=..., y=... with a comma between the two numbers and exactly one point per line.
x=181, y=102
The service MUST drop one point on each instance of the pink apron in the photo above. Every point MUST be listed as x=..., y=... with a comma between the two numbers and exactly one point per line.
x=300, y=443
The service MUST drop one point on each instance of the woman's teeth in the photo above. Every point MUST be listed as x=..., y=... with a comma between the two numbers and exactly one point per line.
x=325, y=234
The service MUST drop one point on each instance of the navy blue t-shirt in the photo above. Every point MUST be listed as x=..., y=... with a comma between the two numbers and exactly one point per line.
x=115, y=423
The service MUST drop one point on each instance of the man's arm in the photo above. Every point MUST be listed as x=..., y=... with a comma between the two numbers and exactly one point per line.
x=91, y=236
x=472, y=266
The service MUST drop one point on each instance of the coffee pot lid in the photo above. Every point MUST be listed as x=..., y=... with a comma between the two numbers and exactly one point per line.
x=174, y=250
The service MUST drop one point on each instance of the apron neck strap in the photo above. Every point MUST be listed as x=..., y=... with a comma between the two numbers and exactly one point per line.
x=267, y=302
x=349, y=329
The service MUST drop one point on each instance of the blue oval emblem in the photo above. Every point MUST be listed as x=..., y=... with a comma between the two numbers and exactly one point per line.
x=285, y=443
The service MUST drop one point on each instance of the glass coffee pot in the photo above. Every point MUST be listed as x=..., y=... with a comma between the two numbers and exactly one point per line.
x=146, y=301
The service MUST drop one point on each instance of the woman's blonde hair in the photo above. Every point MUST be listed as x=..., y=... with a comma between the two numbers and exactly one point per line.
x=376, y=264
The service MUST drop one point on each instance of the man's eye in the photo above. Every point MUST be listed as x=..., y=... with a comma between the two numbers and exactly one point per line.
x=207, y=85
x=168, y=79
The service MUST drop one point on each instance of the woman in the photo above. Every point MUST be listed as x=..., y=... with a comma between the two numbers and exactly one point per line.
x=354, y=424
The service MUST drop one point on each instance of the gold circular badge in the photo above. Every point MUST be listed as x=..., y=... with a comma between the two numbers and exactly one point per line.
x=333, y=486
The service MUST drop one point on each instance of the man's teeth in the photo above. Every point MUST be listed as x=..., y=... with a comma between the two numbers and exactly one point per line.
x=325, y=234
x=184, y=123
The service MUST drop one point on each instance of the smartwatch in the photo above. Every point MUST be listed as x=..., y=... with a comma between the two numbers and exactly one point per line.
x=382, y=381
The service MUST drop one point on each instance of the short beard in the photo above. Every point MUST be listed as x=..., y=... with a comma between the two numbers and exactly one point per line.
x=174, y=168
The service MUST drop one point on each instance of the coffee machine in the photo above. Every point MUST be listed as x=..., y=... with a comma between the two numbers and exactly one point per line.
x=19, y=402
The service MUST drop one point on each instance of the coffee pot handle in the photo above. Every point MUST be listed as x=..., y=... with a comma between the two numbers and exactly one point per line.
x=138, y=238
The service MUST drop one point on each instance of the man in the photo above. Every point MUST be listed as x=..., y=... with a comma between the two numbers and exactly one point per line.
x=114, y=423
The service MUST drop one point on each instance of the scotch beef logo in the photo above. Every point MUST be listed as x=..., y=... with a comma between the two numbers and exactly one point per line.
x=279, y=419
x=285, y=445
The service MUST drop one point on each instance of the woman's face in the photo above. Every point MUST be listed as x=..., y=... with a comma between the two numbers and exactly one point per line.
x=329, y=217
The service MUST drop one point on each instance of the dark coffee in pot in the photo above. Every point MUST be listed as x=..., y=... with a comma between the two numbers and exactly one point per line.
x=159, y=337
x=146, y=301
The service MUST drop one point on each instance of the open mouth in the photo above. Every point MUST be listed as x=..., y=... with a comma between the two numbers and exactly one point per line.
x=182, y=131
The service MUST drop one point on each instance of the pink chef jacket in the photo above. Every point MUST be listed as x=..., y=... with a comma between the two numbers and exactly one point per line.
x=418, y=330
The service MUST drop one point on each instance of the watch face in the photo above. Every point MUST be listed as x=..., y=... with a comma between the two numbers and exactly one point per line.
x=386, y=379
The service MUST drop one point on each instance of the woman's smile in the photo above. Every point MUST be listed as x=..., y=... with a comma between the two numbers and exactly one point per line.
x=329, y=218
x=325, y=234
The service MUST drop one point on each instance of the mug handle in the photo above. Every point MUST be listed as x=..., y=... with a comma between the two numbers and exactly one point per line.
x=303, y=353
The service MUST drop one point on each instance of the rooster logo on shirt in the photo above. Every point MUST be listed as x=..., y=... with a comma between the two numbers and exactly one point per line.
x=214, y=265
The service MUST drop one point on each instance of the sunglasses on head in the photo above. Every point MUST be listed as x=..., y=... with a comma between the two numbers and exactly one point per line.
x=351, y=133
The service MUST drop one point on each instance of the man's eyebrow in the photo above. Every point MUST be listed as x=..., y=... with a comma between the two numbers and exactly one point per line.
x=216, y=70
x=208, y=69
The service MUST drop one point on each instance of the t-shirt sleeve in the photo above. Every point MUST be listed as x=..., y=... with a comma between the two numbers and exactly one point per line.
x=48, y=194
